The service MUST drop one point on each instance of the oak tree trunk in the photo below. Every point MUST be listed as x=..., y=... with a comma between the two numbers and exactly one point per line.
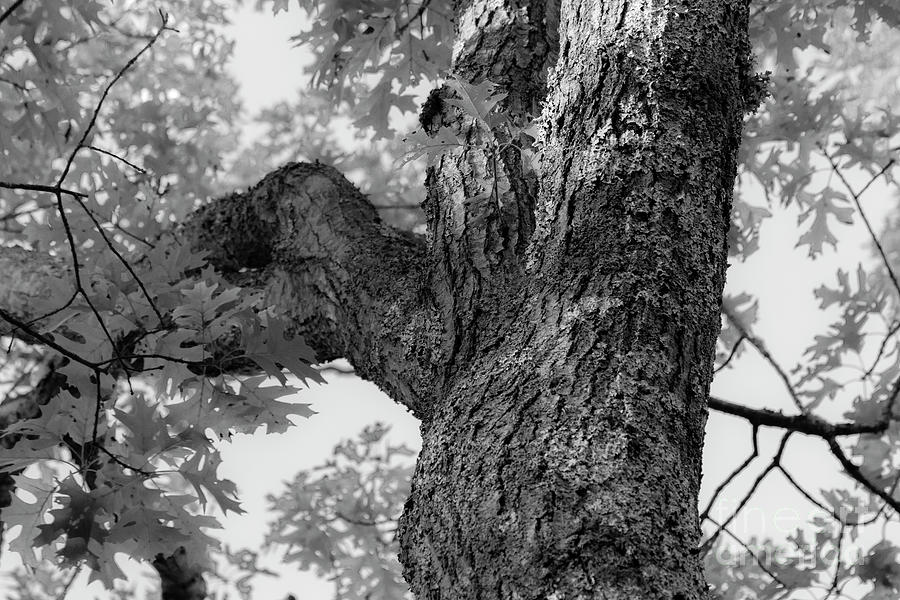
x=563, y=456
x=556, y=339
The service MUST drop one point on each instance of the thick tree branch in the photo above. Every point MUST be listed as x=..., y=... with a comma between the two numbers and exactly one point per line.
x=807, y=423
x=353, y=286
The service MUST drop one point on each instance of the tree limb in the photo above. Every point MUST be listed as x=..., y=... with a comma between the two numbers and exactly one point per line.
x=813, y=425
x=353, y=286
x=806, y=423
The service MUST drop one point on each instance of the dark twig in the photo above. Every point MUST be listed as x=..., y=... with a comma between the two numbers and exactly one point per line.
x=117, y=157
x=862, y=214
x=122, y=259
x=31, y=332
x=96, y=113
x=837, y=566
x=79, y=287
x=776, y=460
x=806, y=423
x=893, y=329
x=417, y=15
x=64, y=306
x=98, y=407
x=740, y=468
x=24, y=90
x=750, y=551
x=122, y=463
x=854, y=472
x=761, y=348
x=174, y=359
x=69, y=582
x=10, y=10
x=731, y=354
x=47, y=189
x=836, y=516
x=122, y=230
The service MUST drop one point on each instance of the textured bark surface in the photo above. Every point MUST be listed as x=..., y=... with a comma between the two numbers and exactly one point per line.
x=556, y=341
x=353, y=286
x=564, y=459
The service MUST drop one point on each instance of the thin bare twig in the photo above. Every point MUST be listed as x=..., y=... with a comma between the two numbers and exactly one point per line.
x=893, y=329
x=122, y=463
x=79, y=287
x=117, y=157
x=854, y=472
x=731, y=354
x=837, y=517
x=740, y=468
x=837, y=566
x=122, y=230
x=856, y=196
x=761, y=348
x=99, y=106
x=750, y=551
x=30, y=332
x=363, y=522
x=47, y=189
x=10, y=10
x=24, y=90
x=71, y=580
x=776, y=460
x=122, y=259
x=417, y=15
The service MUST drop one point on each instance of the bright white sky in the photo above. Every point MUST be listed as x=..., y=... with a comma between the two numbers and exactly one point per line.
x=779, y=275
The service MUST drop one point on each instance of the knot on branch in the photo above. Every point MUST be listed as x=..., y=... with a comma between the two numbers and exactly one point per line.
x=302, y=210
x=236, y=232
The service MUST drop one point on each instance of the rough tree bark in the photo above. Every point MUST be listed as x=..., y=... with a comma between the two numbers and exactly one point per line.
x=556, y=342
x=562, y=459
